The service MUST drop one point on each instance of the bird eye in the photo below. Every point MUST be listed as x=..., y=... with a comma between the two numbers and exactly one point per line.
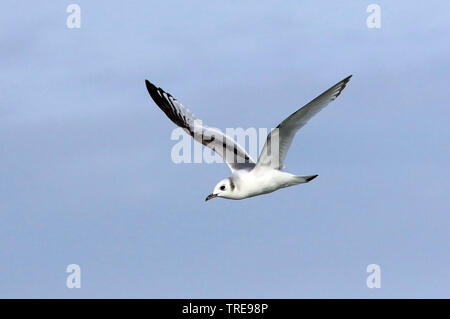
x=222, y=188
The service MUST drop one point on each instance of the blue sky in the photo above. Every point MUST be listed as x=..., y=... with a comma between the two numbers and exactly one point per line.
x=87, y=178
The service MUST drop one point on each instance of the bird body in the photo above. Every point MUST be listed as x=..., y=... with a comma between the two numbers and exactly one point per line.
x=262, y=181
x=249, y=178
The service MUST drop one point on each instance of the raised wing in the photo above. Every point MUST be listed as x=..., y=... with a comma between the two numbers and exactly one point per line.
x=234, y=155
x=280, y=139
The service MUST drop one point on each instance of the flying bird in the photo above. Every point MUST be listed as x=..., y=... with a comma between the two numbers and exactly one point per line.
x=248, y=177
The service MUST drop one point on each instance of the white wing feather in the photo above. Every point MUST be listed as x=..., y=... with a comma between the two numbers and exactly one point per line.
x=273, y=156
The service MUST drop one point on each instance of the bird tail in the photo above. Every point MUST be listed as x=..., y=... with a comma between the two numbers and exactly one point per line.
x=305, y=179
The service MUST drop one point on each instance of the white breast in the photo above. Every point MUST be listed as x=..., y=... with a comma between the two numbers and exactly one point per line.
x=262, y=181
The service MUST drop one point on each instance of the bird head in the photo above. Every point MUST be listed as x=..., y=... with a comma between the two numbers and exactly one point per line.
x=224, y=188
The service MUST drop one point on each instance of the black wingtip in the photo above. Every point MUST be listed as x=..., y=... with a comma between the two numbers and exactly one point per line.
x=341, y=85
x=347, y=78
x=150, y=86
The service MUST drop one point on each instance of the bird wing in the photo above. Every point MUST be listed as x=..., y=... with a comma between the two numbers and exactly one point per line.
x=232, y=153
x=282, y=136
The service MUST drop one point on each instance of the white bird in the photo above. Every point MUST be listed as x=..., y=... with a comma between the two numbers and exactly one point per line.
x=248, y=178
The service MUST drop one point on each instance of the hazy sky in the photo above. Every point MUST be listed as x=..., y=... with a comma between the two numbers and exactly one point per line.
x=86, y=175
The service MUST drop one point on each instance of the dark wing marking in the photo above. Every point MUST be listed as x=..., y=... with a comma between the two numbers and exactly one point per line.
x=234, y=155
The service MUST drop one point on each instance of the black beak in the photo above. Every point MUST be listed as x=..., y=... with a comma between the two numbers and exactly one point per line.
x=210, y=196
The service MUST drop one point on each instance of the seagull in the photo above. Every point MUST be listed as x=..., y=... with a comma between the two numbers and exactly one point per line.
x=248, y=178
